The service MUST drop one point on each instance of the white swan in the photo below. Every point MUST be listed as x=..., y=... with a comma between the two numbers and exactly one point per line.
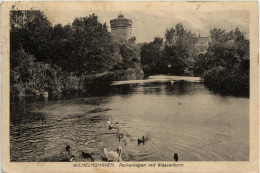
x=114, y=156
x=108, y=122
x=110, y=125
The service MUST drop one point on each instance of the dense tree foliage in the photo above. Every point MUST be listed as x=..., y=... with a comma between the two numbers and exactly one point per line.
x=44, y=57
x=172, y=55
x=74, y=50
x=152, y=55
x=31, y=31
x=225, y=66
x=93, y=49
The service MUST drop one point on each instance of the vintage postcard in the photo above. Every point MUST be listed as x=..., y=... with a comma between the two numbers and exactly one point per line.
x=129, y=86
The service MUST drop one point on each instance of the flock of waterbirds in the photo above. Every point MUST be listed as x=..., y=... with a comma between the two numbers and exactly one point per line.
x=111, y=156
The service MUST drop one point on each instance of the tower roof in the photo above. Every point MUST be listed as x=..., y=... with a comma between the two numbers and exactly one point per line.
x=120, y=17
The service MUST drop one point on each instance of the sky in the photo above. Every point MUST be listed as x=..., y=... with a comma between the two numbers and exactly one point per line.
x=148, y=24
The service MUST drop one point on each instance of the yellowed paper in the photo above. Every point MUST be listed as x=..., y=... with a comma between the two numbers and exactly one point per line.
x=150, y=19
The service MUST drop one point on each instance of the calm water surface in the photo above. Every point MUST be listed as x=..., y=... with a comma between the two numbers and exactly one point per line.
x=183, y=117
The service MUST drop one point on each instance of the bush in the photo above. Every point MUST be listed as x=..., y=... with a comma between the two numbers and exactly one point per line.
x=226, y=65
x=222, y=81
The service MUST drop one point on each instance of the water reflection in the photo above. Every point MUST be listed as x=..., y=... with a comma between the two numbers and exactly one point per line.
x=178, y=117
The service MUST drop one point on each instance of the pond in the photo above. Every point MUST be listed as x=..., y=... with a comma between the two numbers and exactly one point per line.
x=176, y=114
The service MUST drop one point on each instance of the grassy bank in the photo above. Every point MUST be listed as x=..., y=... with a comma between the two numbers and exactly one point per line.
x=47, y=78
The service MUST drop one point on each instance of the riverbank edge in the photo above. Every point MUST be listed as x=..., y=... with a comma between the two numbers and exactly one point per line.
x=72, y=83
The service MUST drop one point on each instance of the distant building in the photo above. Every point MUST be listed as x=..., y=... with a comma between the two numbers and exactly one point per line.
x=202, y=45
x=121, y=28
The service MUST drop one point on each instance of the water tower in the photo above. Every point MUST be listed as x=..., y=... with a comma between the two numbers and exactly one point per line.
x=121, y=28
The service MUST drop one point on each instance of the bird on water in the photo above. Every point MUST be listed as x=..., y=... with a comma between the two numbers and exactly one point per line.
x=68, y=149
x=109, y=122
x=176, y=157
x=141, y=141
x=114, y=156
x=110, y=125
x=69, y=159
x=88, y=156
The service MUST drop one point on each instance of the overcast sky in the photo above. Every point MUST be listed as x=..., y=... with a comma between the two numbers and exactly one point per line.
x=149, y=24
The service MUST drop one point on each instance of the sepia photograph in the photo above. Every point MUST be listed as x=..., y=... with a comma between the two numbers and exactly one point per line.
x=137, y=85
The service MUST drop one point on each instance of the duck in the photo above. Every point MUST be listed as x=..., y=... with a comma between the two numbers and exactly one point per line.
x=70, y=159
x=141, y=140
x=68, y=149
x=120, y=135
x=176, y=157
x=108, y=122
x=88, y=156
x=116, y=126
x=113, y=126
x=114, y=155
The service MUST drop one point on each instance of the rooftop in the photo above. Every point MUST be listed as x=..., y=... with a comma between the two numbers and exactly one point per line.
x=120, y=18
x=203, y=41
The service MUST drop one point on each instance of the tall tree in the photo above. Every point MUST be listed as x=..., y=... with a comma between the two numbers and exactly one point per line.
x=179, y=48
x=151, y=56
x=93, y=48
x=170, y=36
x=31, y=31
x=227, y=62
